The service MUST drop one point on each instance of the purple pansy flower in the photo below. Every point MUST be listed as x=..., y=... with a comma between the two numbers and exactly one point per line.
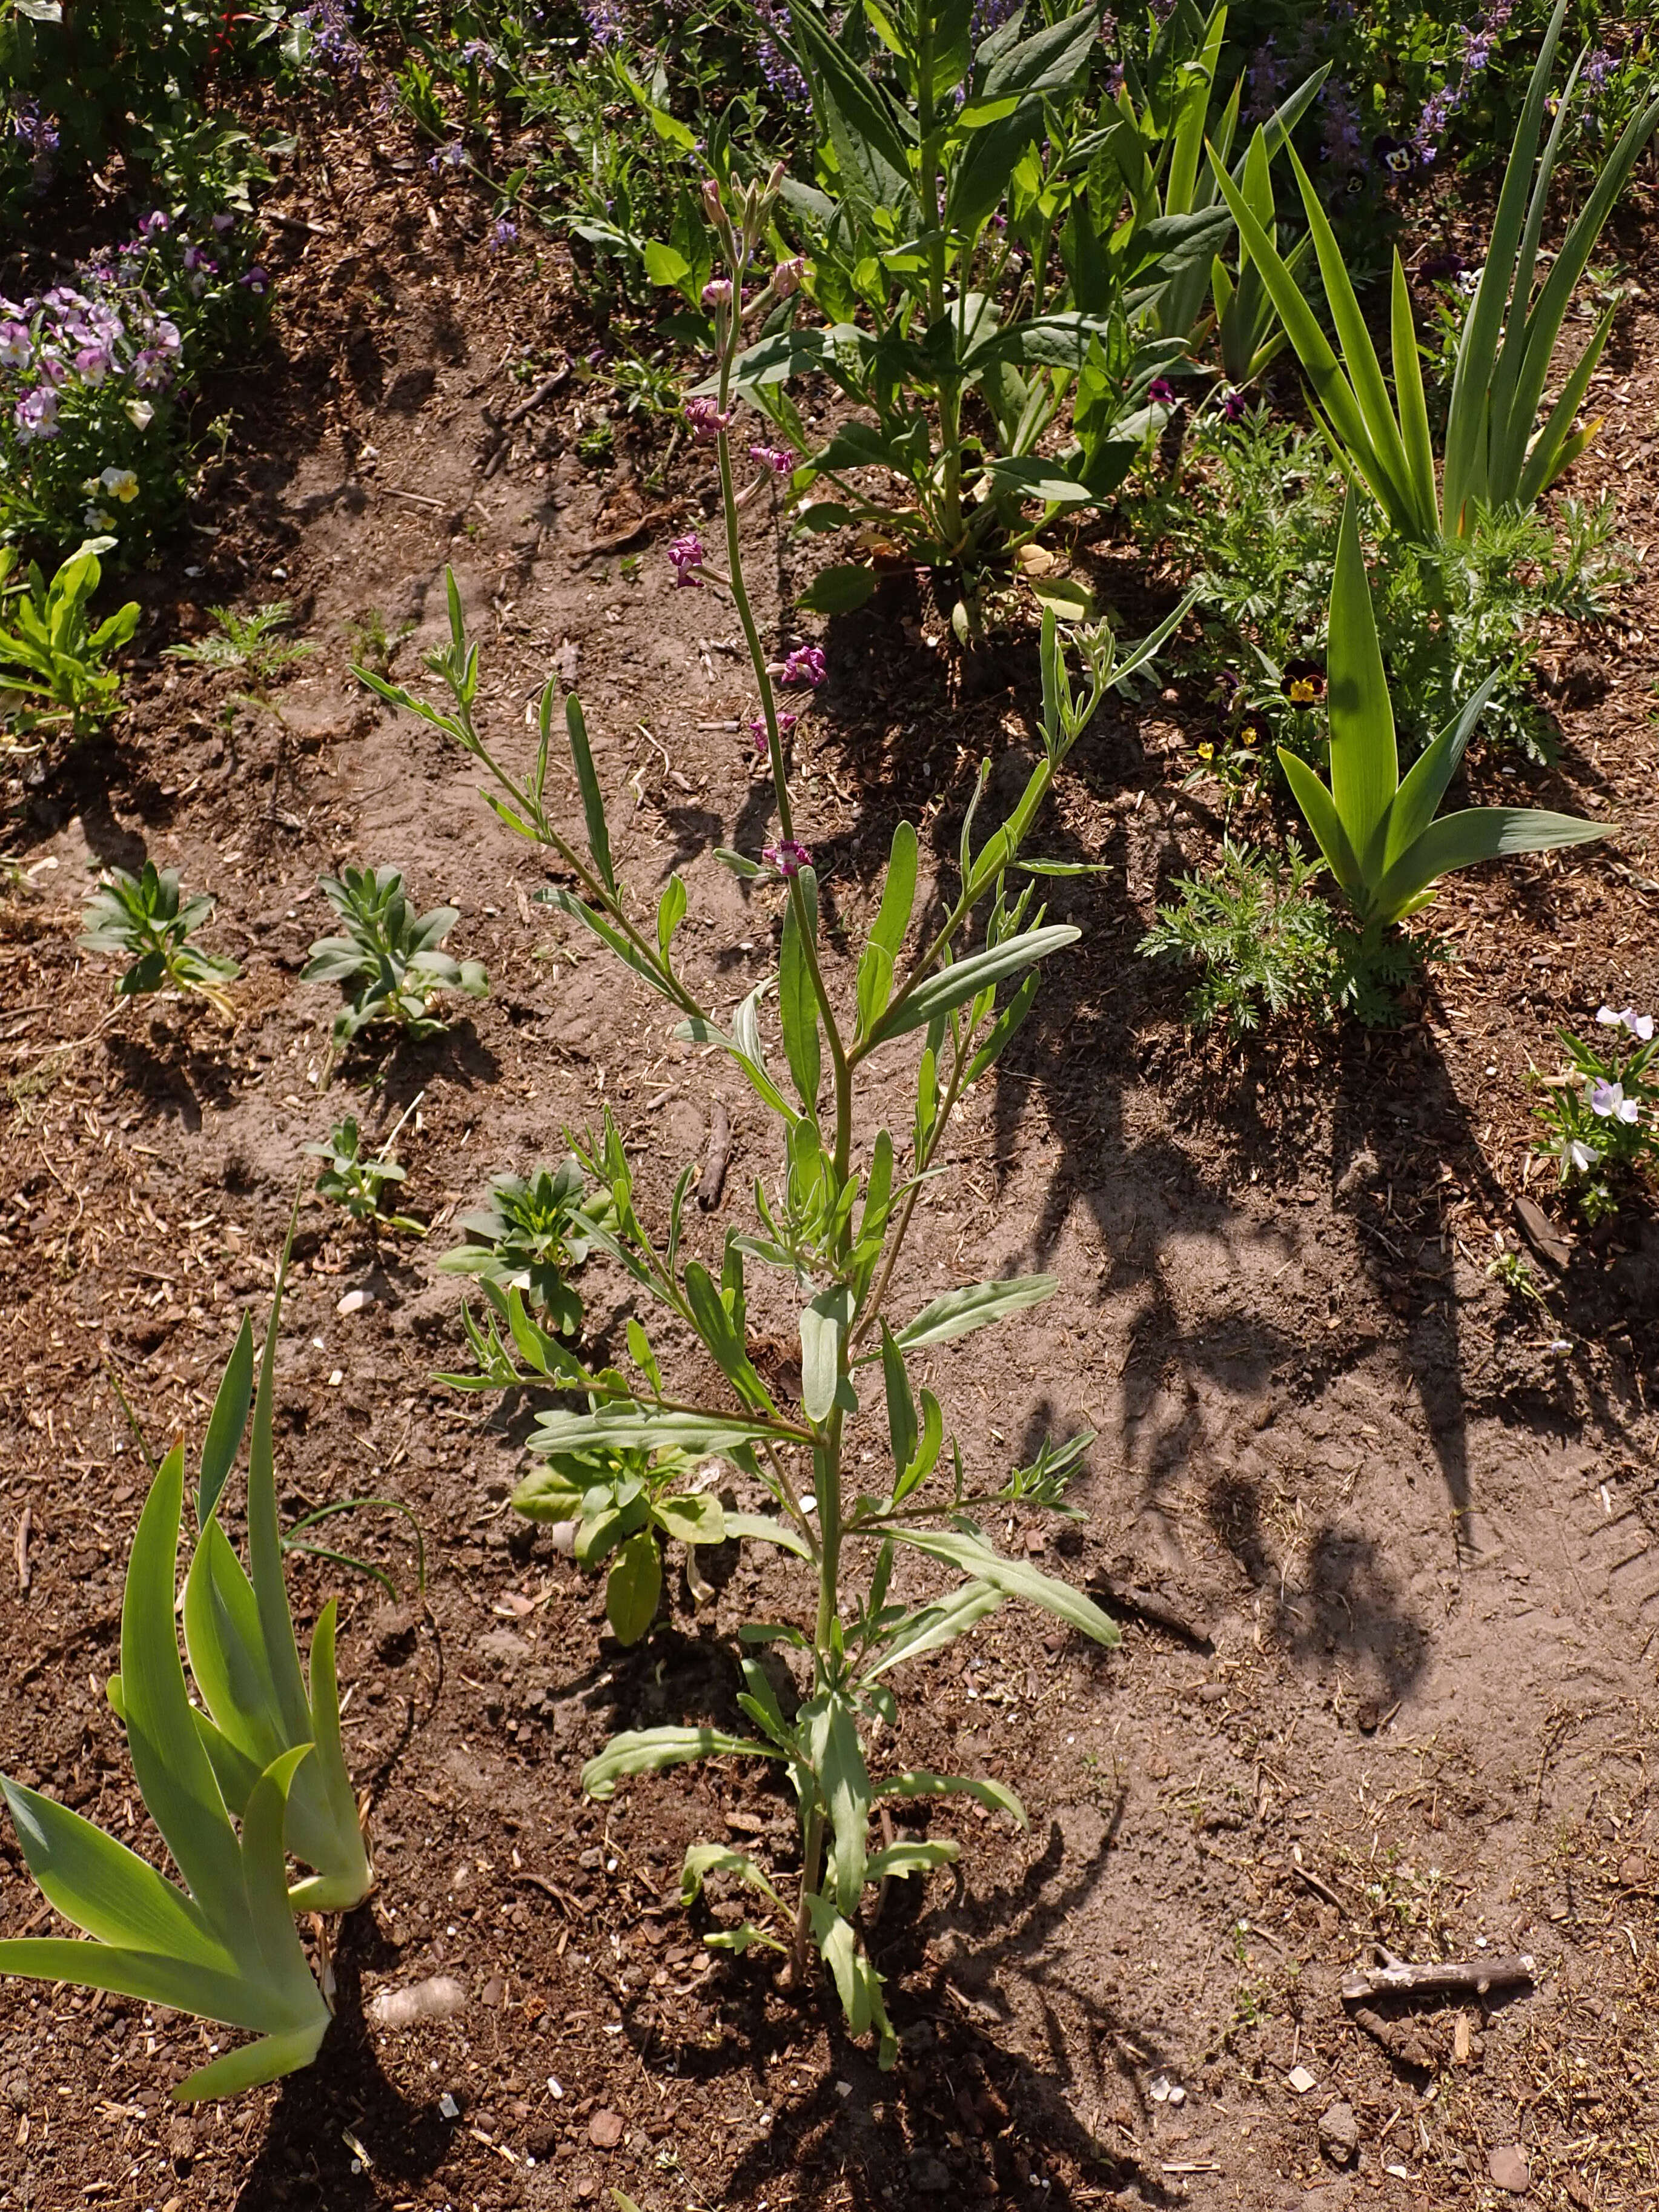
x=1609, y=1102
x=1639, y=1026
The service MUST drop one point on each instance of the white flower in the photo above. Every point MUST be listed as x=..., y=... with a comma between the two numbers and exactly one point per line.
x=1639, y=1026
x=120, y=484
x=141, y=413
x=97, y=518
x=1583, y=1155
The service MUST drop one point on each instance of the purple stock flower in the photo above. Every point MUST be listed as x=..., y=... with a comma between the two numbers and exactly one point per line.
x=503, y=233
x=156, y=226
x=1235, y=407
x=1161, y=392
x=717, y=293
x=453, y=156
x=706, y=419
x=1597, y=69
x=757, y=728
x=477, y=53
x=788, y=856
x=686, y=554
x=773, y=458
x=805, y=664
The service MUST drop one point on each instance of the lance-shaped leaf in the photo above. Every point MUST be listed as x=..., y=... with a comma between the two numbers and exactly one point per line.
x=239, y=1631
x=957, y=1313
x=647, y=1751
x=828, y=1735
x=1015, y=1577
x=225, y=1947
x=950, y=987
x=996, y=1797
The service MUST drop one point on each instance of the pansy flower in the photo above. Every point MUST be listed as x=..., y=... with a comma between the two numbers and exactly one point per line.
x=1303, y=682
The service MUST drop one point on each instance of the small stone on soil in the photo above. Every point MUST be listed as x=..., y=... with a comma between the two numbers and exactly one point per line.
x=1339, y=2134
x=1509, y=2170
x=604, y=2130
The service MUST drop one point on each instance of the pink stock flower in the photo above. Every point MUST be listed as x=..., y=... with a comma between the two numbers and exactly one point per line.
x=707, y=420
x=788, y=856
x=773, y=458
x=685, y=555
x=757, y=728
x=785, y=277
x=717, y=292
x=805, y=664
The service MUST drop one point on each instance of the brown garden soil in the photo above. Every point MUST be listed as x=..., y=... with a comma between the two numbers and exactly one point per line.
x=1382, y=1539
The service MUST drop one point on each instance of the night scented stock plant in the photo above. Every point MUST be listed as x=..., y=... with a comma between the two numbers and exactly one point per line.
x=983, y=235
x=834, y=1229
x=1496, y=455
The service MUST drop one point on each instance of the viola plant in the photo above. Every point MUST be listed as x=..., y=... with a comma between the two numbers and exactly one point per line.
x=253, y=1771
x=388, y=958
x=531, y=1233
x=95, y=374
x=1602, y=1117
x=623, y=1505
x=144, y=919
x=831, y=1224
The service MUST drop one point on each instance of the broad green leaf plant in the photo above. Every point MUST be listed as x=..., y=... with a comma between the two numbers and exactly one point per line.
x=54, y=661
x=979, y=230
x=531, y=1233
x=142, y=919
x=1380, y=837
x=1497, y=454
x=387, y=957
x=831, y=1224
x=254, y=1772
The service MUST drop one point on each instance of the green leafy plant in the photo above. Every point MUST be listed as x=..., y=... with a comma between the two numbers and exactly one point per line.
x=1603, y=1115
x=388, y=957
x=623, y=1505
x=832, y=1224
x=1496, y=455
x=1261, y=941
x=262, y=1749
x=357, y=1181
x=53, y=662
x=921, y=200
x=530, y=1232
x=1379, y=836
x=141, y=918
x=249, y=647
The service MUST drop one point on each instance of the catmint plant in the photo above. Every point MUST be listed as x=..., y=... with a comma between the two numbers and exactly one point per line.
x=1603, y=1115
x=531, y=1233
x=948, y=988
x=388, y=959
x=141, y=918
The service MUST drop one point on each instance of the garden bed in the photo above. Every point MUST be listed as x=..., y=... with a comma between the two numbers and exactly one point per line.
x=1380, y=1539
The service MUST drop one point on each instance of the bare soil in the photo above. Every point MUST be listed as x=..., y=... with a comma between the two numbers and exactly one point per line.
x=1382, y=1539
